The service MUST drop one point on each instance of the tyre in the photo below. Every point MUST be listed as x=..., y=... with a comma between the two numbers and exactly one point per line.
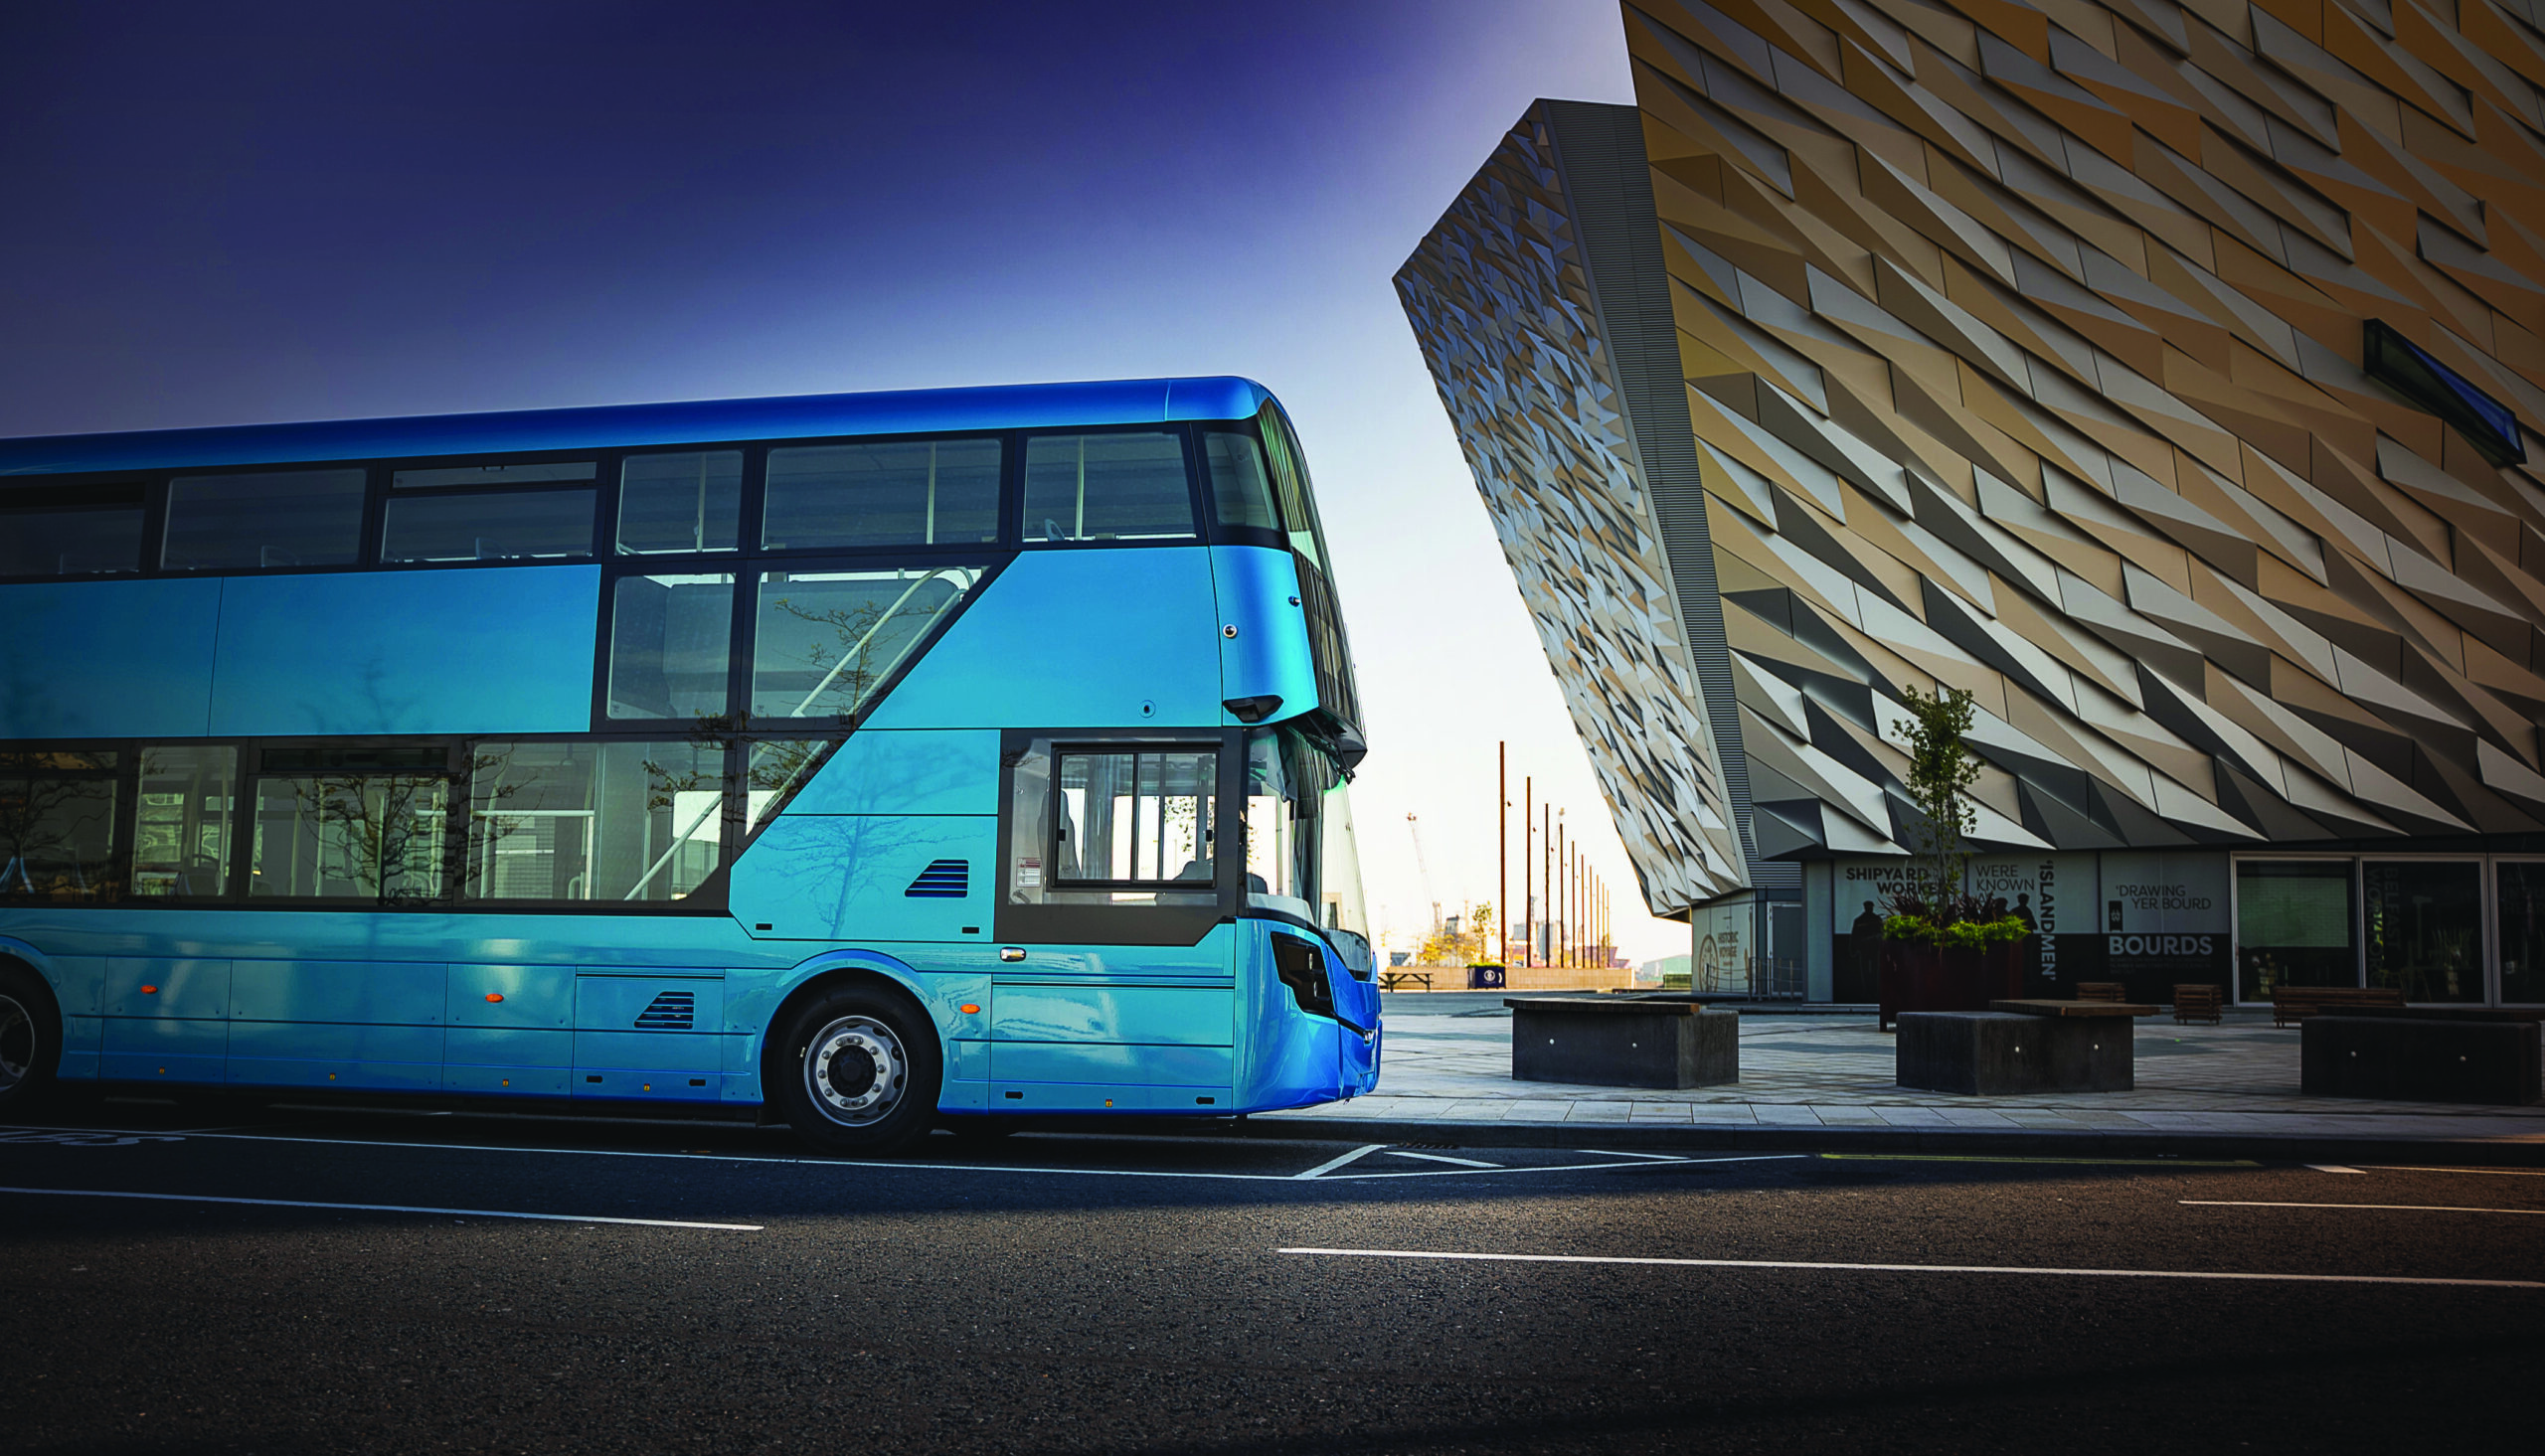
x=30, y=1039
x=860, y=1072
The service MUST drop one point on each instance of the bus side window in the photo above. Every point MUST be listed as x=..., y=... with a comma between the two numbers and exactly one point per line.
x=1106, y=487
x=255, y=520
x=1241, y=487
x=182, y=821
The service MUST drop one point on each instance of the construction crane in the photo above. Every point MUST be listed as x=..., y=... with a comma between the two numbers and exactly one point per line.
x=1415, y=830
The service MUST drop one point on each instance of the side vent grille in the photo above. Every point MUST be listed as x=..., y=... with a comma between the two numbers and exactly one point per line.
x=672, y=1011
x=943, y=880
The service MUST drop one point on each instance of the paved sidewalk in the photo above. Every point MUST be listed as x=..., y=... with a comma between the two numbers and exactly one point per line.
x=1448, y=1069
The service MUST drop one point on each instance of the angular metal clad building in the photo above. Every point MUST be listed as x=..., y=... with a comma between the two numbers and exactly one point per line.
x=2164, y=375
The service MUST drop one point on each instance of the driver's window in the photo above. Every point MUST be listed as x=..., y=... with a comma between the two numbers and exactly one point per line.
x=1134, y=817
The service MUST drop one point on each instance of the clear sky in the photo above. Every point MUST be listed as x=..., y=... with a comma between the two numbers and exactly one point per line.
x=230, y=214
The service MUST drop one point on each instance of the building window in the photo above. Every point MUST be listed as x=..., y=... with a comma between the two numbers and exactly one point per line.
x=362, y=824
x=615, y=821
x=882, y=493
x=2295, y=926
x=686, y=502
x=2423, y=927
x=828, y=640
x=2521, y=917
x=70, y=531
x=254, y=521
x=513, y=513
x=670, y=646
x=2414, y=373
x=1106, y=487
x=57, y=825
x=181, y=822
x=1136, y=817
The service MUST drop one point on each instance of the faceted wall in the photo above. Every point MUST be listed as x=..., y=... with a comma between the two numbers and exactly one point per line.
x=1503, y=303
x=2154, y=371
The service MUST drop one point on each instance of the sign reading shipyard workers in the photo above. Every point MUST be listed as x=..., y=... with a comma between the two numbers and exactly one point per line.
x=2164, y=921
x=2054, y=893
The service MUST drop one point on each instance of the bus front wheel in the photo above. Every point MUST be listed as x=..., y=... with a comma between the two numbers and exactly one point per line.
x=30, y=1037
x=864, y=1074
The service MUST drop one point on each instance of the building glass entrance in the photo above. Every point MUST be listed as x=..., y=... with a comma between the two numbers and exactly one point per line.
x=2424, y=922
x=2520, y=909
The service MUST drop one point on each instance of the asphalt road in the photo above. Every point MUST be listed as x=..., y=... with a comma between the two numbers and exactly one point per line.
x=1103, y=1294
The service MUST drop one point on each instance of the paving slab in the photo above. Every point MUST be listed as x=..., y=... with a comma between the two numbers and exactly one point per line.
x=1828, y=1079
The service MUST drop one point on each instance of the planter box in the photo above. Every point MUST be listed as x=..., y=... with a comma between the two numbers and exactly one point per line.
x=1990, y=1053
x=1947, y=978
x=2423, y=1056
x=1623, y=1044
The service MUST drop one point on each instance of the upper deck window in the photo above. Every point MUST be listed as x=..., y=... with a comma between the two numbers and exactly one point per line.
x=686, y=502
x=70, y=531
x=826, y=641
x=1291, y=478
x=533, y=512
x=272, y=518
x=1106, y=487
x=883, y=493
x=1241, y=487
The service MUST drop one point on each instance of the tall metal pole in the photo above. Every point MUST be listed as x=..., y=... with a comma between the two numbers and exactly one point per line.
x=1501, y=851
x=1545, y=873
x=1563, y=887
x=1528, y=847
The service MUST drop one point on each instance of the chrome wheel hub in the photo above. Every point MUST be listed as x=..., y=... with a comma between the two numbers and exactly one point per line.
x=856, y=1070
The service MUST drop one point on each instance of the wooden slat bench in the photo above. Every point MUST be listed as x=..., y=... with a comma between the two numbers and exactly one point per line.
x=1399, y=980
x=2102, y=991
x=2198, y=1004
x=2296, y=1003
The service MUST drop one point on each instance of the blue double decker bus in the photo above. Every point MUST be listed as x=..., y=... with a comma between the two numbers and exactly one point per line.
x=876, y=761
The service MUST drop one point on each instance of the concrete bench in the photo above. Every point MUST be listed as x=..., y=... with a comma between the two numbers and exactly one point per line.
x=2020, y=1047
x=1616, y=1043
x=2423, y=1055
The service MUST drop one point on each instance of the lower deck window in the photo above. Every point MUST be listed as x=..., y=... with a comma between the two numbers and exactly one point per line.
x=181, y=824
x=57, y=826
x=593, y=821
x=370, y=832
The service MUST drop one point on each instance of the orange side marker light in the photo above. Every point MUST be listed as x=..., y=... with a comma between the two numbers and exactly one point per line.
x=970, y=1010
x=149, y=990
x=494, y=996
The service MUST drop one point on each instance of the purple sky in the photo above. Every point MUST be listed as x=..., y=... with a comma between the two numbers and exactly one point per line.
x=222, y=214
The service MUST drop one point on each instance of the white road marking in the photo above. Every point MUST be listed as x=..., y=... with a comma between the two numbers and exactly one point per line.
x=1330, y=1164
x=2389, y=1207
x=1566, y=1168
x=1604, y=1153
x=1441, y=1158
x=2482, y=1172
x=1659, y=1160
x=189, y=1197
x=2333, y=1168
x=1403, y=1253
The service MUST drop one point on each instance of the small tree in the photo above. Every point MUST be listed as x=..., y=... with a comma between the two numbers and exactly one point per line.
x=1940, y=766
x=1937, y=907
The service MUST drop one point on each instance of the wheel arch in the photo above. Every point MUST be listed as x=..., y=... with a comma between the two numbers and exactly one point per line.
x=14, y=951
x=833, y=971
